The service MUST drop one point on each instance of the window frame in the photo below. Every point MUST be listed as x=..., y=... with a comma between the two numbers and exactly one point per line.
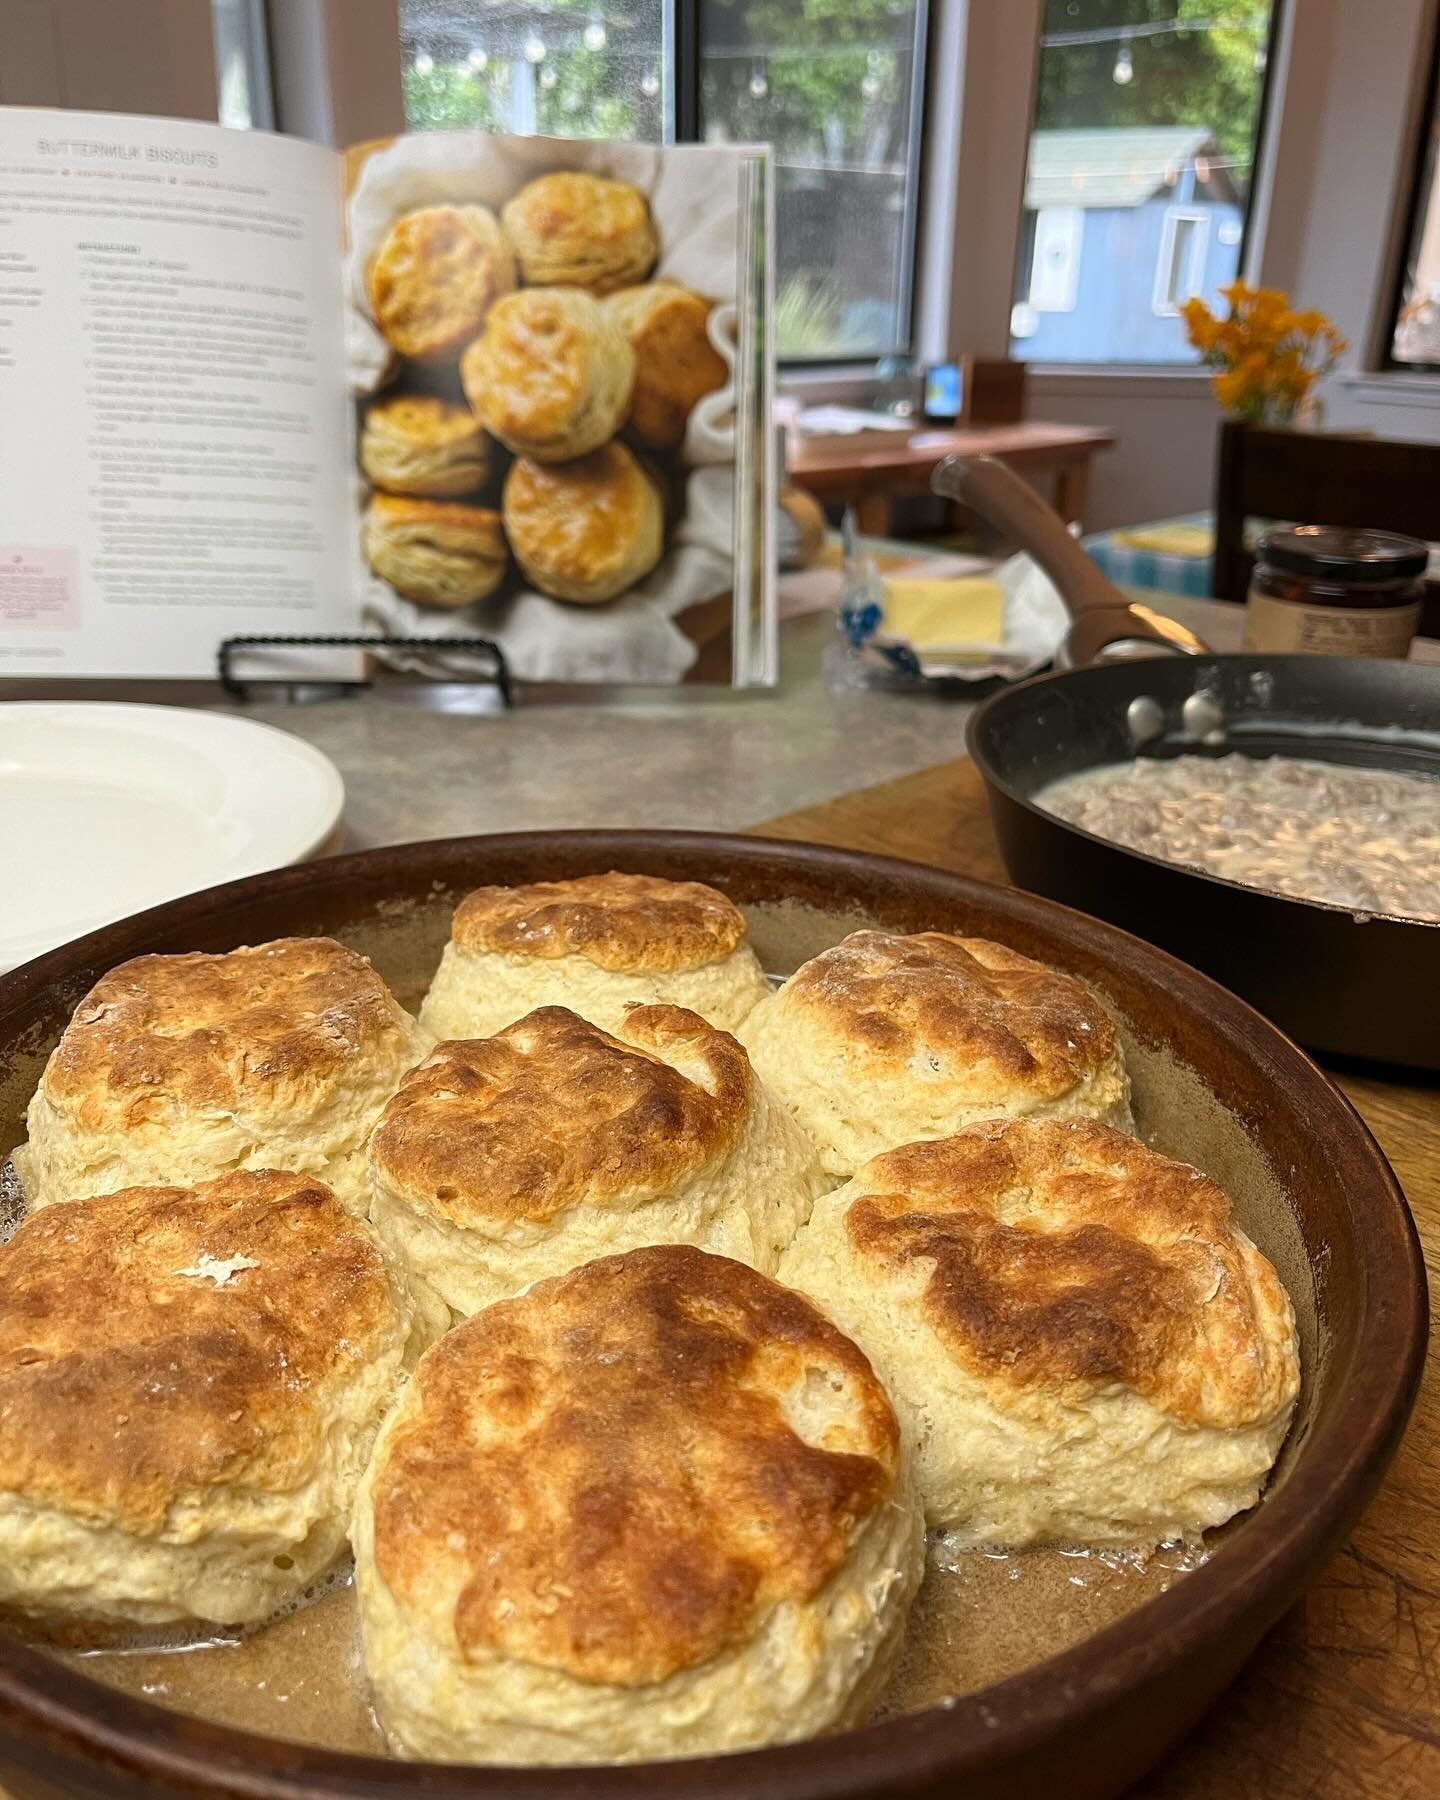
x=682, y=40
x=1266, y=120
x=1075, y=215
x=1175, y=216
x=1423, y=177
x=686, y=14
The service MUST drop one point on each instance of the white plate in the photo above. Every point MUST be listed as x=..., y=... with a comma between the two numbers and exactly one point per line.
x=106, y=809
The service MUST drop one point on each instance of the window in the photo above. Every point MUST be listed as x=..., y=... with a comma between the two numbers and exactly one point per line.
x=1415, y=342
x=1055, y=261
x=836, y=89
x=1180, y=270
x=566, y=69
x=1147, y=120
x=836, y=86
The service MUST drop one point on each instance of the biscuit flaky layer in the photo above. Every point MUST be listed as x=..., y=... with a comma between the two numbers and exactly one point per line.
x=177, y=1068
x=676, y=365
x=435, y=552
x=883, y=1040
x=423, y=447
x=506, y=1159
x=573, y=229
x=654, y=1505
x=192, y=1379
x=436, y=276
x=587, y=530
x=553, y=1110
x=1083, y=1342
x=618, y=922
x=596, y=944
x=551, y=374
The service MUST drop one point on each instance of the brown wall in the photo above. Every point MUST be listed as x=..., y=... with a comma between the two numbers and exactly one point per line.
x=134, y=56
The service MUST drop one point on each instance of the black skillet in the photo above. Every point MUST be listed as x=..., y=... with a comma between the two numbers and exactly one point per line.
x=1341, y=983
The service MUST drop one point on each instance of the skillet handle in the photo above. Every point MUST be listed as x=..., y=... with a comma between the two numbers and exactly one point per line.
x=1100, y=613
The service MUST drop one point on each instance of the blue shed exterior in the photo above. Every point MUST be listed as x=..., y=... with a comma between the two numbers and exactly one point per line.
x=1120, y=228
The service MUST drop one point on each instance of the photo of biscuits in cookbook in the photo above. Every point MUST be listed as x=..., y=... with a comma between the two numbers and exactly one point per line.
x=559, y=358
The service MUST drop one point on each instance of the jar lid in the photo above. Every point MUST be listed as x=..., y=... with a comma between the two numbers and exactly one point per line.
x=1338, y=553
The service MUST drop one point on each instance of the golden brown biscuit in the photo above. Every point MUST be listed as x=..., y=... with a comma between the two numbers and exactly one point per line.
x=420, y=445
x=550, y=375
x=435, y=552
x=658, y=1506
x=1083, y=1343
x=177, y=1068
x=437, y=274
x=595, y=944
x=193, y=1378
x=885, y=1040
x=675, y=362
x=586, y=530
x=505, y=1159
x=570, y=229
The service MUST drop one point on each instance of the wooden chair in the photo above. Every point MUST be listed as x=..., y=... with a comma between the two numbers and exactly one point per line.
x=1321, y=478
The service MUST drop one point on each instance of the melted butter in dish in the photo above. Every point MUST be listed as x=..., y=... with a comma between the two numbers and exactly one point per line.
x=1368, y=839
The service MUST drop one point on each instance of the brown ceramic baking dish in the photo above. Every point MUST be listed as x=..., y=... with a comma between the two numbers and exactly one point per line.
x=1007, y=1699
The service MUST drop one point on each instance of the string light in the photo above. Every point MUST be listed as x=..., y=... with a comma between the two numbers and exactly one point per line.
x=534, y=50
x=1124, y=72
x=424, y=63
x=594, y=35
x=649, y=84
x=759, y=86
x=477, y=59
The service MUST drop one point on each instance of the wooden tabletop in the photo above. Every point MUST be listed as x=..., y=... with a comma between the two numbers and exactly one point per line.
x=870, y=475
x=1029, y=441
x=1342, y=1699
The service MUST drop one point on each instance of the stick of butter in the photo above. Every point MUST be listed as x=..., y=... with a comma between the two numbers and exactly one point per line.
x=942, y=615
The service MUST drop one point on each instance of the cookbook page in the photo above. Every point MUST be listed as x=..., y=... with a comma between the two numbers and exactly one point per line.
x=561, y=363
x=173, y=409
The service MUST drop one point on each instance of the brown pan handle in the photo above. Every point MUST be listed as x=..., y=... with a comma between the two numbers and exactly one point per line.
x=1101, y=616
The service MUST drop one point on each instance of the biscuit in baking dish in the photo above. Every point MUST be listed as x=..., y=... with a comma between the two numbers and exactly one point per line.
x=572, y=229
x=434, y=278
x=550, y=375
x=596, y=944
x=656, y=1507
x=587, y=530
x=435, y=552
x=1080, y=1340
x=675, y=362
x=882, y=1040
x=193, y=1379
x=178, y=1068
x=505, y=1159
x=423, y=446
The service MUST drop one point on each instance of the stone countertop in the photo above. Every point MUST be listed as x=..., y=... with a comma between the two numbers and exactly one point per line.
x=681, y=759
x=687, y=759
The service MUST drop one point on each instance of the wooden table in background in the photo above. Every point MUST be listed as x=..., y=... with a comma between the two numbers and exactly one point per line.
x=870, y=477
x=1342, y=1700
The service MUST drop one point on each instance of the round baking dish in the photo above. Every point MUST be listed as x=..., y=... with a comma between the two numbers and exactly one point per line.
x=1214, y=1083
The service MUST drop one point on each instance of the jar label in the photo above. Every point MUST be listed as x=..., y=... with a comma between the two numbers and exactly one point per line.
x=1280, y=626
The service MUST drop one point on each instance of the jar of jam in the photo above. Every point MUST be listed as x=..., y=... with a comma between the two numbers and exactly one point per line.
x=1333, y=591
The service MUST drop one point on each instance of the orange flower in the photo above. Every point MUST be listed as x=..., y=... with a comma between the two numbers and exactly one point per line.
x=1268, y=355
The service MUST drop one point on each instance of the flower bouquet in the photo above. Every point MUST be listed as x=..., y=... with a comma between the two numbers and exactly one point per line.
x=1267, y=355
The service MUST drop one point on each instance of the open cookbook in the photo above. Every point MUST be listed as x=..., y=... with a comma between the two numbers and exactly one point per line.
x=441, y=386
